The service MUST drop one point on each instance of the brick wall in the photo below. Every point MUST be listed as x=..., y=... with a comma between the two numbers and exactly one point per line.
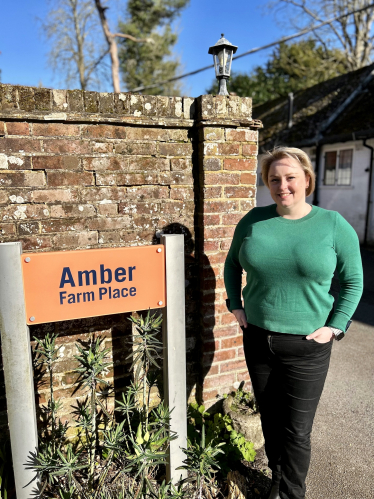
x=88, y=170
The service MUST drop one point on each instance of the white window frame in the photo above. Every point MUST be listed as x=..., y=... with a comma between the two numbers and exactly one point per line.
x=336, y=178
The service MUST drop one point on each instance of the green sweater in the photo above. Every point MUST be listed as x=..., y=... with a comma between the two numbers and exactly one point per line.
x=290, y=265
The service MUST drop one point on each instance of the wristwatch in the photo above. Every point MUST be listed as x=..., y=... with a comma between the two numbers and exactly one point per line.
x=338, y=333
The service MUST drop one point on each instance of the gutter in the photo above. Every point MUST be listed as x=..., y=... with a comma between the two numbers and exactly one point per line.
x=369, y=201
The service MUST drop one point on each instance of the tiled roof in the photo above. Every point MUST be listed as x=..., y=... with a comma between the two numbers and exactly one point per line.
x=312, y=109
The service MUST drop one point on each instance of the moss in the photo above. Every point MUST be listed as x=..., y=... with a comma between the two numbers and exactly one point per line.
x=43, y=101
x=91, y=104
x=75, y=100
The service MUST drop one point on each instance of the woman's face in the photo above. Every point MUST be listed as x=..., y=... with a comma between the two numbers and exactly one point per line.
x=287, y=183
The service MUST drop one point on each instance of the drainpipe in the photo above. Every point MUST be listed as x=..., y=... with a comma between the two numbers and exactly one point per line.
x=369, y=203
x=316, y=171
x=290, y=110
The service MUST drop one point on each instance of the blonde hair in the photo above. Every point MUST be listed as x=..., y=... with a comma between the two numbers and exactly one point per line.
x=288, y=152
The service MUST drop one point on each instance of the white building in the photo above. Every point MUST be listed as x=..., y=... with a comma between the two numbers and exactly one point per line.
x=334, y=123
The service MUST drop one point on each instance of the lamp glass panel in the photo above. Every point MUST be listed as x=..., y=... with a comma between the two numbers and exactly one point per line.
x=216, y=64
x=222, y=58
x=228, y=62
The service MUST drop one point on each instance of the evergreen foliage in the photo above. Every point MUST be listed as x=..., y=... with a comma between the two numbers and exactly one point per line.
x=143, y=64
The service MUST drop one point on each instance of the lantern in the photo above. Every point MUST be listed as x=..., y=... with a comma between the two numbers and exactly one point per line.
x=222, y=52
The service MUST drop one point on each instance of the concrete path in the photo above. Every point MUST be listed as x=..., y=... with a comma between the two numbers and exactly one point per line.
x=342, y=465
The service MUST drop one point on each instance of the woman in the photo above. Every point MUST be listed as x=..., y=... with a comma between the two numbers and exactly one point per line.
x=290, y=251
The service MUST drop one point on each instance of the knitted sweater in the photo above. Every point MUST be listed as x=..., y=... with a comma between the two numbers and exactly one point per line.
x=290, y=265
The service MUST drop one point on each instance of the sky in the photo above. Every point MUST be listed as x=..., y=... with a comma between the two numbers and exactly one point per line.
x=245, y=23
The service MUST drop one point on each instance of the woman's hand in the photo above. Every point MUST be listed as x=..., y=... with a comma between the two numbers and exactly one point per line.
x=321, y=335
x=240, y=317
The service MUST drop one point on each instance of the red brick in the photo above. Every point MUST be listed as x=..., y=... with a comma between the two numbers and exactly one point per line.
x=54, y=196
x=107, y=209
x=175, y=178
x=231, y=218
x=36, y=242
x=178, y=149
x=211, y=245
x=23, y=211
x=75, y=239
x=239, y=192
x=56, y=163
x=208, y=133
x=72, y=210
x=217, y=258
x=138, y=163
x=224, y=331
x=139, y=208
x=107, y=194
x=222, y=355
x=182, y=193
x=28, y=228
x=232, y=366
x=20, y=179
x=249, y=150
x=226, y=149
x=14, y=128
x=105, y=164
x=11, y=145
x=221, y=178
x=223, y=206
x=102, y=147
x=136, y=148
x=104, y=132
x=18, y=162
x=62, y=146
x=109, y=237
x=226, y=380
x=55, y=179
x=2, y=128
x=212, y=192
x=108, y=223
x=211, y=220
x=236, y=341
x=248, y=178
x=143, y=134
x=246, y=205
x=212, y=164
x=242, y=135
x=239, y=164
x=55, y=129
x=216, y=232
x=214, y=308
x=61, y=226
x=141, y=193
x=226, y=245
x=7, y=229
x=227, y=318
x=179, y=164
x=212, y=371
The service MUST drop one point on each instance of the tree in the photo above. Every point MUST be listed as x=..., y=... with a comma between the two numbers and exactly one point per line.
x=144, y=64
x=291, y=67
x=353, y=34
x=73, y=28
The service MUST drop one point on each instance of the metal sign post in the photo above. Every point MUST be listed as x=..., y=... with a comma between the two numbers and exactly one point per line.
x=19, y=383
x=78, y=279
x=174, y=339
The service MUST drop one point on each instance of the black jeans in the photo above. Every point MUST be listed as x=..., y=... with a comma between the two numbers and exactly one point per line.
x=288, y=373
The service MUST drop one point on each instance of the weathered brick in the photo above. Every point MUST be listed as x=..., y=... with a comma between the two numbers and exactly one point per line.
x=218, y=356
x=55, y=179
x=75, y=100
x=80, y=239
x=182, y=193
x=106, y=164
x=122, y=103
x=143, y=134
x=139, y=208
x=221, y=105
x=54, y=196
x=28, y=228
x=225, y=244
x=175, y=178
x=231, y=218
x=2, y=127
x=121, y=222
x=14, y=128
x=239, y=164
x=55, y=129
x=36, y=242
x=59, y=102
x=106, y=103
x=223, y=178
x=56, y=163
x=43, y=99
x=163, y=105
x=16, y=195
x=23, y=212
x=212, y=164
x=205, y=106
x=139, y=163
x=147, y=192
x=72, y=210
x=136, y=105
x=239, y=192
x=110, y=237
x=179, y=134
x=15, y=162
x=22, y=179
x=211, y=219
x=8, y=95
x=7, y=229
x=107, y=209
x=227, y=149
x=102, y=147
x=104, y=131
x=9, y=145
x=234, y=342
x=228, y=319
x=105, y=195
x=226, y=380
x=246, y=205
x=224, y=206
x=216, y=232
x=180, y=164
x=213, y=192
x=248, y=178
x=61, y=146
x=209, y=148
x=140, y=148
x=126, y=179
x=250, y=149
x=150, y=105
x=212, y=134
x=217, y=257
x=175, y=149
x=211, y=245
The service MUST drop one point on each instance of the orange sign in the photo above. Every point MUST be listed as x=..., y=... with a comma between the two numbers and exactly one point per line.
x=68, y=285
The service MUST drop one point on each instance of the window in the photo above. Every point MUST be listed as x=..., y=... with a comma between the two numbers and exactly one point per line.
x=338, y=167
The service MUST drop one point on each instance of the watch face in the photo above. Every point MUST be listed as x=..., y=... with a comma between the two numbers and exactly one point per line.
x=339, y=336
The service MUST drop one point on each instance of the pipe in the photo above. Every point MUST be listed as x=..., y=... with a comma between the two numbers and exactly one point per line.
x=316, y=171
x=369, y=201
x=290, y=110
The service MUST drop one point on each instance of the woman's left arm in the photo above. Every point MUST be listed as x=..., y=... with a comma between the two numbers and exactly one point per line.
x=349, y=268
